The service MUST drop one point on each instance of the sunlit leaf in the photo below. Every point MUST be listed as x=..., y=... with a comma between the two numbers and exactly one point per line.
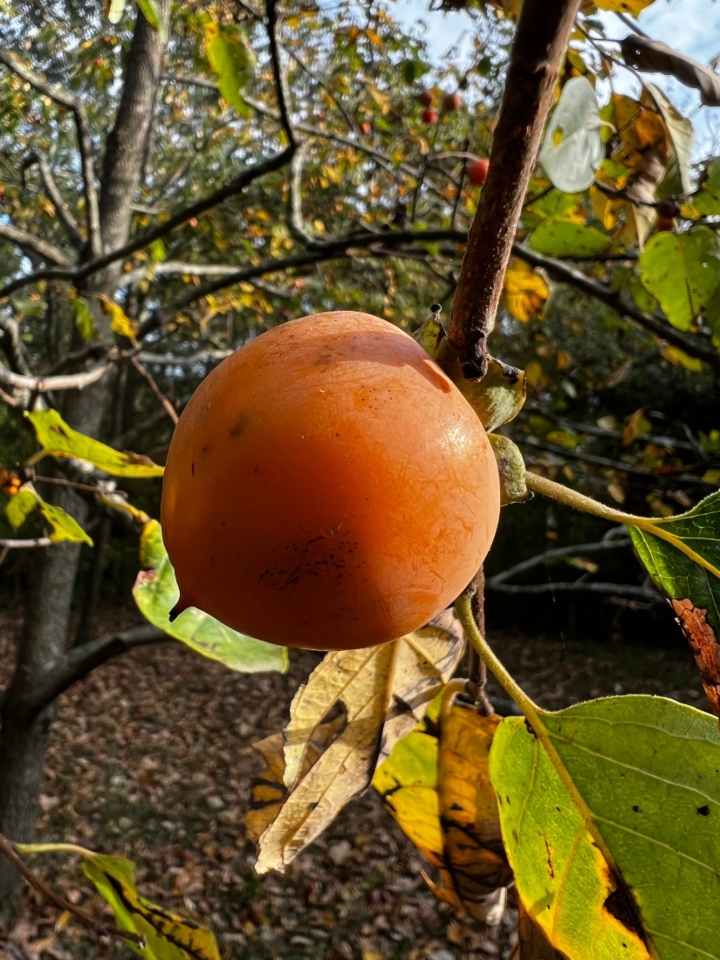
x=114, y=10
x=561, y=238
x=573, y=148
x=153, y=15
x=436, y=784
x=64, y=527
x=684, y=563
x=511, y=466
x=120, y=322
x=168, y=936
x=379, y=694
x=682, y=137
x=525, y=291
x=232, y=59
x=84, y=322
x=57, y=439
x=634, y=7
x=497, y=398
x=156, y=592
x=682, y=271
x=647, y=794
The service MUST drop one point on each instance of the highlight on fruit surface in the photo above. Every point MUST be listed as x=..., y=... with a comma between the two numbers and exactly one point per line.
x=328, y=486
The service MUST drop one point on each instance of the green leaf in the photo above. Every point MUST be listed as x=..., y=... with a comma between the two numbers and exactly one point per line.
x=20, y=506
x=616, y=840
x=231, y=58
x=573, y=150
x=511, y=466
x=685, y=566
x=682, y=271
x=168, y=936
x=84, y=323
x=561, y=238
x=497, y=398
x=57, y=439
x=156, y=592
x=64, y=527
x=153, y=15
x=707, y=200
x=157, y=251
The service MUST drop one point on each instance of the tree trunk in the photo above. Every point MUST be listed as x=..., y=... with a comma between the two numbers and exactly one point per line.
x=25, y=729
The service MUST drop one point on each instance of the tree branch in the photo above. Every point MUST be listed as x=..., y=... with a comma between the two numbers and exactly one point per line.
x=29, y=243
x=654, y=324
x=7, y=850
x=83, y=137
x=281, y=84
x=82, y=660
x=12, y=347
x=230, y=189
x=537, y=54
x=25, y=544
x=63, y=211
x=74, y=381
x=296, y=221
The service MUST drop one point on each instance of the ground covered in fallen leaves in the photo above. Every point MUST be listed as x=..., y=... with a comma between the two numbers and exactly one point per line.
x=152, y=758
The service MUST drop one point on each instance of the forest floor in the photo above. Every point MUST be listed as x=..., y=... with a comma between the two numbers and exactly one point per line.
x=152, y=758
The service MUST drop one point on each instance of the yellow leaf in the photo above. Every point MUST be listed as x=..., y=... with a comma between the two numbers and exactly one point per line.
x=374, y=37
x=638, y=425
x=169, y=936
x=120, y=323
x=679, y=357
x=524, y=291
x=373, y=697
x=437, y=786
x=634, y=7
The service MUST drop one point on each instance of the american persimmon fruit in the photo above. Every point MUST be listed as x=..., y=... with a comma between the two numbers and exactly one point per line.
x=328, y=487
x=665, y=225
x=477, y=171
x=429, y=116
x=451, y=102
x=425, y=98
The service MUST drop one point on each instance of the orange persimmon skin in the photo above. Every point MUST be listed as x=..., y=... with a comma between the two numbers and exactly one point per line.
x=328, y=487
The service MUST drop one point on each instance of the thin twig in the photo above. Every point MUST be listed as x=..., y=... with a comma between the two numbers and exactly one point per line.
x=230, y=189
x=100, y=927
x=29, y=243
x=164, y=402
x=63, y=211
x=281, y=84
x=83, y=137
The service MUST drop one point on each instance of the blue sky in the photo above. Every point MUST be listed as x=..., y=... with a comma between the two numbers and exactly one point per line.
x=690, y=26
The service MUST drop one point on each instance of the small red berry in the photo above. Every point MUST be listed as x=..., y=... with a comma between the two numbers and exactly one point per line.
x=366, y=128
x=429, y=116
x=477, y=171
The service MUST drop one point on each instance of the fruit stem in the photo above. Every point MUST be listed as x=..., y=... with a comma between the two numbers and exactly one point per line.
x=464, y=611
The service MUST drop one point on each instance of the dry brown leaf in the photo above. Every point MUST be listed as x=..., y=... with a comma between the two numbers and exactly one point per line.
x=381, y=692
x=657, y=57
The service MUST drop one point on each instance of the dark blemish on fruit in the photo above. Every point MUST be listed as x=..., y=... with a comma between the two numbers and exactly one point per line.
x=323, y=358
x=192, y=468
x=206, y=448
x=240, y=426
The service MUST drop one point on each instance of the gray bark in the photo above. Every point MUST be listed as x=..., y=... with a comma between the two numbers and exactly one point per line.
x=25, y=729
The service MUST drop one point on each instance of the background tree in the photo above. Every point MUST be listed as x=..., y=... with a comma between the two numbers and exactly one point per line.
x=132, y=270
